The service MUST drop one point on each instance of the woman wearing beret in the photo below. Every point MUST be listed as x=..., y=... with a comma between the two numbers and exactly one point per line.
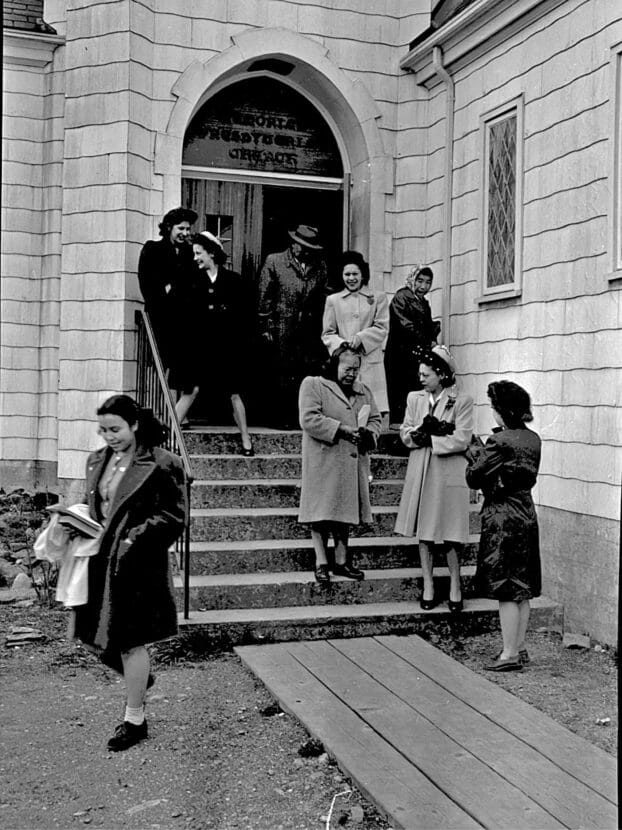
x=412, y=333
x=215, y=307
x=137, y=491
x=434, y=507
x=340, y=424
x=359, y=317
x=508, y=562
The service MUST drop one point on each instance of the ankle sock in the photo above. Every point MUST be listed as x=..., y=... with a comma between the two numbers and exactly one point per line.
x=135, y=716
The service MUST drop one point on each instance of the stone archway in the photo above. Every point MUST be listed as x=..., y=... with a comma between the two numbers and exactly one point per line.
x=345, y=103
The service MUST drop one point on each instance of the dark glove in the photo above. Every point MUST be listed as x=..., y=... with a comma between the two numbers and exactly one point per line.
x=421, y=438
x=432, y=426
x=367, y=442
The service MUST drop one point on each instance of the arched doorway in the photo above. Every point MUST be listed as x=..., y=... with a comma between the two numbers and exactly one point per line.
x=258, y=160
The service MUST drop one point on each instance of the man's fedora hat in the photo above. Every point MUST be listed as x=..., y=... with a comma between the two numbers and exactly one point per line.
x=307, y=236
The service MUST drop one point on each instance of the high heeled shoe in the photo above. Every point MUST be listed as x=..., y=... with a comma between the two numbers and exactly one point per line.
x=428, y=604
x=455, y=607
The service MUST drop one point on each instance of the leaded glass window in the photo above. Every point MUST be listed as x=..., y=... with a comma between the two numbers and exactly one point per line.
x=501, y=232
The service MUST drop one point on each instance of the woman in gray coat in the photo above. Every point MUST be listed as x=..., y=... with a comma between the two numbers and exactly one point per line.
x=137, y=492
x=340, y=424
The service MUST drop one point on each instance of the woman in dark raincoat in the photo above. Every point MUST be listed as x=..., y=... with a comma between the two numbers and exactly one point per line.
x=137, y=491
x=508, y=563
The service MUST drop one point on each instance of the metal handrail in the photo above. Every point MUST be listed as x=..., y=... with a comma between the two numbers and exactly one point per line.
x=152, y=390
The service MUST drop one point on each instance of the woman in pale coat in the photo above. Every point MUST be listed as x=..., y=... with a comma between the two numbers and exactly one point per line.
x=359, y=317
x=434, y=508
x=340, y=423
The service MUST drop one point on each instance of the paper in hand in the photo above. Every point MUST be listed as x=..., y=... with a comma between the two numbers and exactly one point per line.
x=363, y=416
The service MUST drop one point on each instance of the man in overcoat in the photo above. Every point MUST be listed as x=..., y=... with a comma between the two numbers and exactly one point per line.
x=292, y=292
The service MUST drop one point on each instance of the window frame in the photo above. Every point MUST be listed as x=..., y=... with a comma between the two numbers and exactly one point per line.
x=513, y=107
x=615, y=206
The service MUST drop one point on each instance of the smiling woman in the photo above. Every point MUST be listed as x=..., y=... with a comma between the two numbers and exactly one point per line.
x=137, y=492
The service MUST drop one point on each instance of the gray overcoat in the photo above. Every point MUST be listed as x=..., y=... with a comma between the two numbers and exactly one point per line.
x=361, y=315
x=335, y=475
x=435, y=501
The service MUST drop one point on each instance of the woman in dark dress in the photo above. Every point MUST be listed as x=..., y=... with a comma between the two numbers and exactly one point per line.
x=137, y=491
x=214, y=310
x=412, y=333
x=162, y=266
x=508, y=562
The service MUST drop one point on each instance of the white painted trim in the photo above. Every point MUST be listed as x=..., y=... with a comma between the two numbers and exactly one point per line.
x=515, y=106
x=346, y=102
x=25, y=49
x=615, y=164
x=482, y=26
x=278, y=179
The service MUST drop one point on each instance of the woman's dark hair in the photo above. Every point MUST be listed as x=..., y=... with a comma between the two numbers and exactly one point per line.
x=512, y=402
x=426, y=271
x=354, y=258
x=212, y=248
x=150, y=432
x=329, y=370
x=175, y=217
x=438, y=365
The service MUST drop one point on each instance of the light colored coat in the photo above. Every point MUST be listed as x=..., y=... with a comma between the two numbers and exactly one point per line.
x=435, y=501
x=335, y=475
x=361, y=316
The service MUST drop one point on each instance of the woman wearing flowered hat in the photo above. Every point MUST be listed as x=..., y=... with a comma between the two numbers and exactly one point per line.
x=215, y=312
x=412, y=332
x=434, y=508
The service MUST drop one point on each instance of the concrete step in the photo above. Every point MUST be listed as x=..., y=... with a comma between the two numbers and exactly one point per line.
x=276, y=555
x=218, y=440
x=219, y=591
x=275, y=493
x=236, y=626
x=219, y=524
x=218, y=467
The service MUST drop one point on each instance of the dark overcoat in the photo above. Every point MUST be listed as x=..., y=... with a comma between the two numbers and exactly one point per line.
x=505, y=470
x=411, y=334
x=130, y=593
x=335, y=474
x=215, y=333
x=291, y=304
x=162, y=269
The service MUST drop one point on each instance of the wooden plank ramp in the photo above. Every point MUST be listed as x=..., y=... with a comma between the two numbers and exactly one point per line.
x=434, y=745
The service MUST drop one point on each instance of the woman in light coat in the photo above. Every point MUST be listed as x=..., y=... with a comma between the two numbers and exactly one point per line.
x=137, y=491
x=340, y=424
x=359, y=317
x=434, y=508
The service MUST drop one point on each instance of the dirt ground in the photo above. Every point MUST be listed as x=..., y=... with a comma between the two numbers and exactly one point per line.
x=220, y=754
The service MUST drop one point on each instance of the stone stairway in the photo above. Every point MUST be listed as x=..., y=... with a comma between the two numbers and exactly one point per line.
x=252, y=563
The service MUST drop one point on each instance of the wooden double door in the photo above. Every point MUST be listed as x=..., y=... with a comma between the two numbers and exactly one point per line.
x=253, y=220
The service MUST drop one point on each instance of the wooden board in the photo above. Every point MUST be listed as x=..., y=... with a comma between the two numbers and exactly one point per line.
x=572, y=802
x=579, y=758
x=490, y=799
x=397, y=788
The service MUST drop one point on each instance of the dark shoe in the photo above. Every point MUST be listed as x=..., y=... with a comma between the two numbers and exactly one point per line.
x=428, y=604
x=322, y=577
x=455, y=607
x=126, y=735
x=513, y=664
x=523, y=657
x=348, y=570
x=248, y=453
